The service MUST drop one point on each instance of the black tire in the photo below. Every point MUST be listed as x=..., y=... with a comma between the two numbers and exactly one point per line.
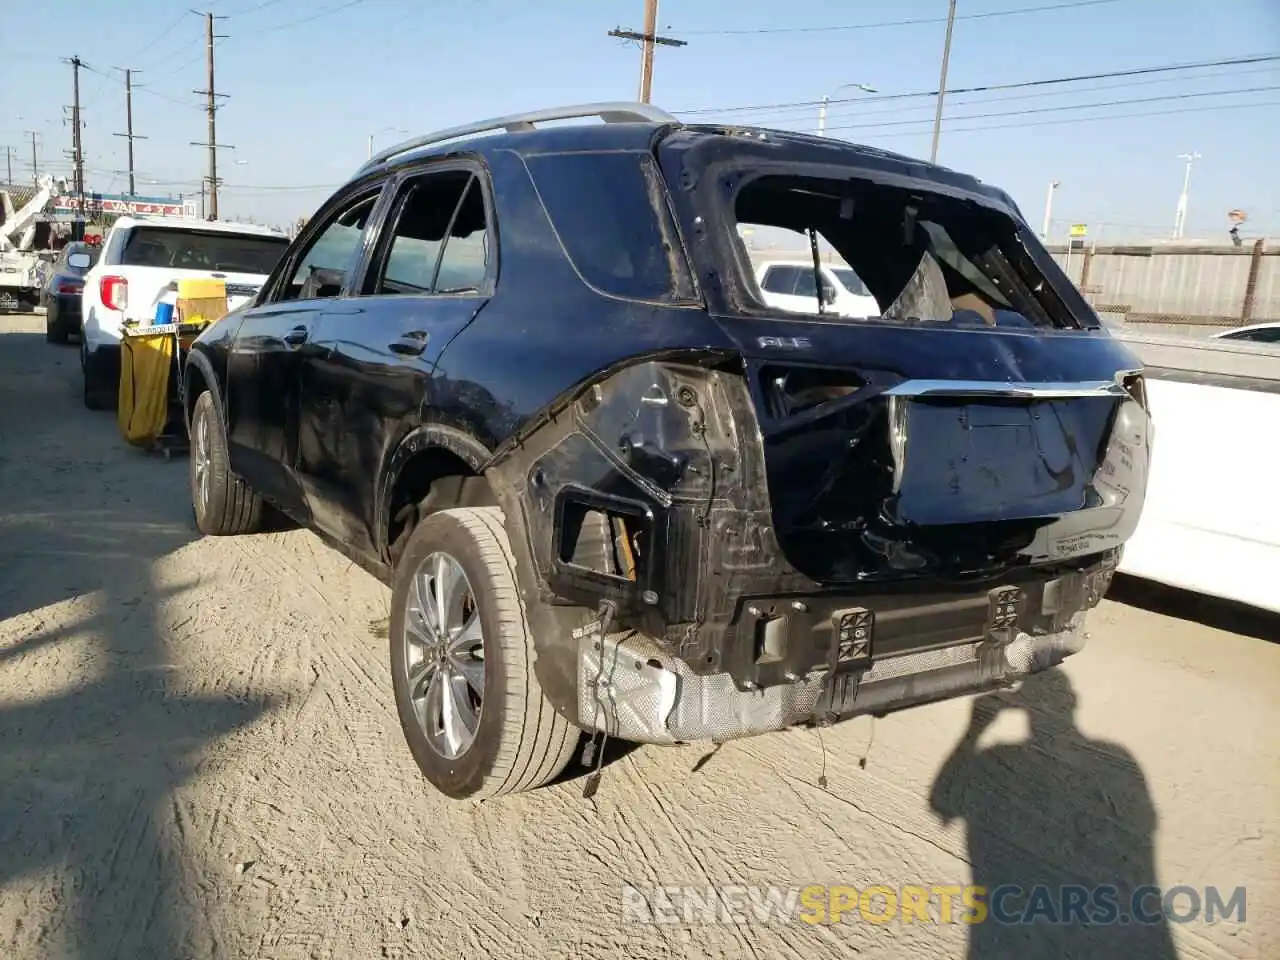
x=227, y=506
x=96, y=394
x=521, y=742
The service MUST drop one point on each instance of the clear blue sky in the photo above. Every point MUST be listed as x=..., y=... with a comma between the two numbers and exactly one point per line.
x=306, y=93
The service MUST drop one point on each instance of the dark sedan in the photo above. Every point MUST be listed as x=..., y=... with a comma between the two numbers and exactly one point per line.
x=61, y=295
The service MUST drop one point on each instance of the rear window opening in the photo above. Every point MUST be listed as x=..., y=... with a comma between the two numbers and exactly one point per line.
x=887, y=254
x=202, y=250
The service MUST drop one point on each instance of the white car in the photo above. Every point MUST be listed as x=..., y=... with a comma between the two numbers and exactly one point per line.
x=140, y=258
x=789, y=285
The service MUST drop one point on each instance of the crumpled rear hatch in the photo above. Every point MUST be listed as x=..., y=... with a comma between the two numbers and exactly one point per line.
x=912, y=451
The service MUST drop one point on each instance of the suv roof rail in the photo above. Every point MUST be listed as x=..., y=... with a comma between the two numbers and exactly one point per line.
x=621, y=111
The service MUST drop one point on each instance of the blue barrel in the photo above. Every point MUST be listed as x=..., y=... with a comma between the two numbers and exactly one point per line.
x=164, y=314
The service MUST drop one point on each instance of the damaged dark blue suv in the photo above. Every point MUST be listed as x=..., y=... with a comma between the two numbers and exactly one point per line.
x=524, y=374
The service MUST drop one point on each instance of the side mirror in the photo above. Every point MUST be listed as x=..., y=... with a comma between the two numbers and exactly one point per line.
x=828, y=295
x=80, y=261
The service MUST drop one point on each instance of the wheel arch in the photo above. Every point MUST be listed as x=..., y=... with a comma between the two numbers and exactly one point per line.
x=410, y=489
x=198, y=375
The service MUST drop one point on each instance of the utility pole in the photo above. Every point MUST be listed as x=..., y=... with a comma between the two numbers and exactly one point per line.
x=8, y=156
x=77, y=148
x=1180, y=218
x=942, y=84
x=35, y=160
x=648, y=41
x=211, y=109
x=129, y=134
x=1048, y=209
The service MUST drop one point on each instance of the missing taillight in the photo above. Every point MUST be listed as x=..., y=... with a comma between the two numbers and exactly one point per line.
x=602, y=541
x=1135, y=384
x=792, y=390
x=113, y=291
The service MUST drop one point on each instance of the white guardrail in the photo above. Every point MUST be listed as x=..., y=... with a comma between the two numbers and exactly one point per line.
x=1211, y=523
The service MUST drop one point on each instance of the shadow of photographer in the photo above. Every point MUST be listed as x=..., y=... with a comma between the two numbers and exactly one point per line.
x=1061, y=834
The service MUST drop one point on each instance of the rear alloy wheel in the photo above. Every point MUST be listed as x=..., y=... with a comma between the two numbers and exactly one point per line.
x=472, y=712
x=222, y=503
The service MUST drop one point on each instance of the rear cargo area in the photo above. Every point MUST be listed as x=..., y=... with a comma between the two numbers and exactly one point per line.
x=966, y=428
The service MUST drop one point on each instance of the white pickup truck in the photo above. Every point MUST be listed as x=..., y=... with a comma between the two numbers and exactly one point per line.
x=140, y=258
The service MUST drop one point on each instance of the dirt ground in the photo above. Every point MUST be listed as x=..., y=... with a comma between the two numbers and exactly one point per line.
x=199, y=757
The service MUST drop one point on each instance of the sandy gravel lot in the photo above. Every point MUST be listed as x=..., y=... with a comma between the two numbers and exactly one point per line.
x=199, y=757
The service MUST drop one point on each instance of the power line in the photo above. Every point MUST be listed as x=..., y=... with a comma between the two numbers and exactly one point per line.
x=1114, y=116
x=255, y=9
x=1061, y=107
x=752, y=31
x=329, y=11
x=986, y=88
x=857, y=108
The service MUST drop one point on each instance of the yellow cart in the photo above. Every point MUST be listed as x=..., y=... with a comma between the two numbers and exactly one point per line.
x=149, y=413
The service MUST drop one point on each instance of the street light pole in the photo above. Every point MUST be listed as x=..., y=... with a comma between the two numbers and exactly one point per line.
x=383, y=130
x=1048, y=209
x=1180, y=218
x=826, y=100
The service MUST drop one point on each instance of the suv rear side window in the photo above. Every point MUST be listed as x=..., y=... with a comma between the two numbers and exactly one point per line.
x=610, y=213
x=201, y=250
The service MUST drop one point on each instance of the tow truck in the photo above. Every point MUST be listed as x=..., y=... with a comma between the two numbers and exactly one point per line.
x=25, y=238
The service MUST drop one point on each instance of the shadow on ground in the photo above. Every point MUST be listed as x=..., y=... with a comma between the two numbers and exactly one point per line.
x=1061, y=833
x=97, y=727
x=1208, y=611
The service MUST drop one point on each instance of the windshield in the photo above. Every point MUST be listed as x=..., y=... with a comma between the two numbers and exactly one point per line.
x=200, y=250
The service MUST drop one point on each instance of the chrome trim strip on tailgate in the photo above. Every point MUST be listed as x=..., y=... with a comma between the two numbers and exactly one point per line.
x=1000, y=388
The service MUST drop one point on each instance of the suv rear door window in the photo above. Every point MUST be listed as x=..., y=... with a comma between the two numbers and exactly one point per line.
x=439, y=238
x=202, y=250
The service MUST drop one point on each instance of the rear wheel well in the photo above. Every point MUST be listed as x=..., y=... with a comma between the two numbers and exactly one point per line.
x=432, y=479
x=194, y=385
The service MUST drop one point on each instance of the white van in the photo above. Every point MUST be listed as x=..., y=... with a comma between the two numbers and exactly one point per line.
x=789, y=285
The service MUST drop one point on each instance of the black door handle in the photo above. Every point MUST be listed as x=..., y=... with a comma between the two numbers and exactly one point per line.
x=296, y=337
x=410, y=344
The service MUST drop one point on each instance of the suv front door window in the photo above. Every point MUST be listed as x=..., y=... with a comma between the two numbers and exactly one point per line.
x=321, y=271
